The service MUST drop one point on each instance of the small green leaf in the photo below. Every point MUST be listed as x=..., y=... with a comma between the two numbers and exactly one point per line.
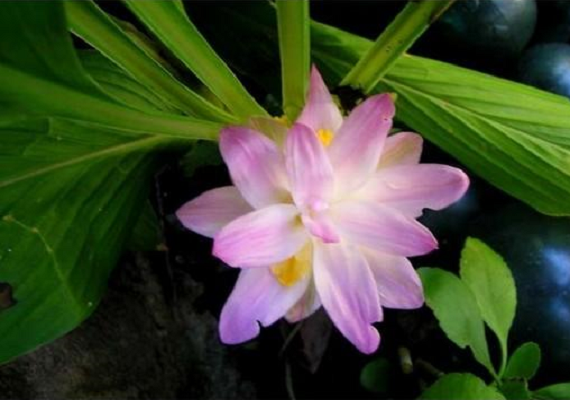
x=173, y=27
x=294, y=49
x=492, y=283
x=524, y=362
x=376, y=376
x=560, y=391
x=515, y=389
x=461, y=387
x=456, y=309
x=202, y=153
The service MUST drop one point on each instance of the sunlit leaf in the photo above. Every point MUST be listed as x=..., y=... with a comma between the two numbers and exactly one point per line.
x=460, y=387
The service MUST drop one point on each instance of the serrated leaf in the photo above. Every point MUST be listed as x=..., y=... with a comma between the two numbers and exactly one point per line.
x=524, y=362
x=456, y=309
x=461, y=387
x=173, y=27
x=492, y=283
x=560, y=391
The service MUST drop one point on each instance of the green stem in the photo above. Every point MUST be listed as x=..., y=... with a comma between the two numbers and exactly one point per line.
x=398, y=37
x=294, y=49
x=504, y=356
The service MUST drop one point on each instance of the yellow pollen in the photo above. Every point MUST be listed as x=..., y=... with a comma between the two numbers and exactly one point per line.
x=293, y=269
x=282, y=120
x=325, y=136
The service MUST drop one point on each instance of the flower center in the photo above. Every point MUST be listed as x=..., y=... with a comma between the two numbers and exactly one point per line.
x=292, y=270
x=325, y=136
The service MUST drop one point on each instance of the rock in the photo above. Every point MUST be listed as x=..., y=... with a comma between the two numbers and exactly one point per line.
x=145, y=340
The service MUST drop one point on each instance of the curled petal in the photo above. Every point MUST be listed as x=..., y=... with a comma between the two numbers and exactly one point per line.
x=402, y=148
x=320, y=111
x=308, y=168
x=411, y=188
x=257, y=296
x=260, y=238
x=210, y=211
x=383, y=229
x=399, y=286
x=256, y=166
x=321, y=225
x=348, y=292
x=355, y=151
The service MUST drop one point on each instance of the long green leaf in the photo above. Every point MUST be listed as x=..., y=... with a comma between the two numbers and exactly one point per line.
x=393, y=42
x=167, y=21
x=514, y=136
x=70, y=188
x=89, y=22
x=294, y=49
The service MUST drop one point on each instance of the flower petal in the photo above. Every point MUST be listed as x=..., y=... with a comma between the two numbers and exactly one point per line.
x=355, y=150
x=411, y=188
x=210, y=211
x=256, y=166
x=257, y=296
x=260, y=238
x=382, y=229
x=402, y=148
x=347, y=290
x=321, y=225
x=305, y=306
x=320, y=111
x=399, y=286
x=308, y=168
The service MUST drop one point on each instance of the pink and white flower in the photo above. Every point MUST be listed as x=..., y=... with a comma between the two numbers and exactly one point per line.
x=325, y=215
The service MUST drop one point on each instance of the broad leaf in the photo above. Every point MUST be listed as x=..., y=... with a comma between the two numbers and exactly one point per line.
x=376, y=375
x=524, y=362
x=560, y=391
x=74, y=170
x=173, y=27
x=456, y=309
x=492, y=283
x=89, y=22
x=145, y=234
x=514, y=136
x=460, y=387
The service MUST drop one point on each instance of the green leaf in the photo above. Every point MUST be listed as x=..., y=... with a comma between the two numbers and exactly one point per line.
x=514, y=136
x=145, y=235
x=116, y=83
x=560, y=391
x=376, y=376
x=167, y=21
x=456, y=309
x=294, y=49
x=70, y=188
x=393, y=42
x=524, y=362
x=492, y=283
x=460, y=387
x=515, y=389
x=89, y=22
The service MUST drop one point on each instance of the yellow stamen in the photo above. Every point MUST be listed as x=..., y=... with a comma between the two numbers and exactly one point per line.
x=325, y=136
x=292, y=270
x=282, y=120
